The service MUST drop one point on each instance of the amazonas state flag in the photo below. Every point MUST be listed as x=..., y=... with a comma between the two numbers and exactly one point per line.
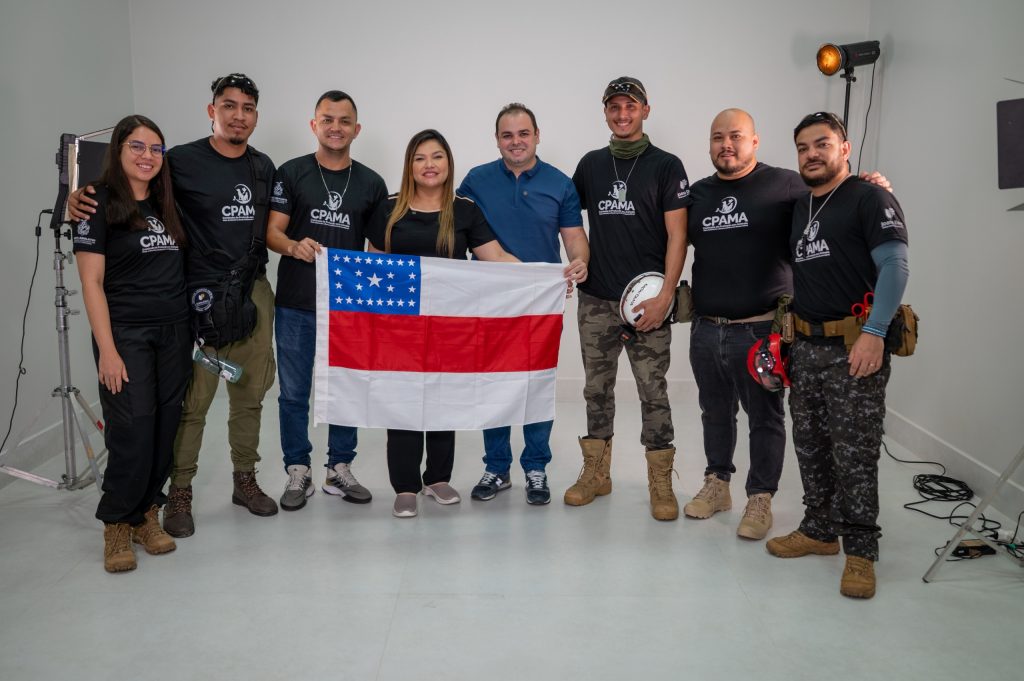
x=435, y=344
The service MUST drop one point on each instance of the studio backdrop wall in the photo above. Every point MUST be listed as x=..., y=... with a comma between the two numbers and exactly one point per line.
x=451, y=65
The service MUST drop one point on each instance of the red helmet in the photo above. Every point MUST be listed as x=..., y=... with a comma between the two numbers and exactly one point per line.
x=767, y=364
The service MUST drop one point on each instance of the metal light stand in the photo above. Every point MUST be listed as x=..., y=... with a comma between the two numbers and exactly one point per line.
x=65, y=392
x=968, y=525
x=850, y=79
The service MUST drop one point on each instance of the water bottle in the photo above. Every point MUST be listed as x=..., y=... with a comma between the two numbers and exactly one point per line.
x=217, y=366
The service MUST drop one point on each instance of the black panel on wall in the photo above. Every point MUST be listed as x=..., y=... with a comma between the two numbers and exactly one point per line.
x=1010, y=141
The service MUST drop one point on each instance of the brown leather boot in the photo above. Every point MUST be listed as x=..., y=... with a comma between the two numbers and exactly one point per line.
x=178, y=512
x=247, y=493
x=118, y=554
x=858, y=578
x=153, y=537
x=659, y=483
x=595, y=479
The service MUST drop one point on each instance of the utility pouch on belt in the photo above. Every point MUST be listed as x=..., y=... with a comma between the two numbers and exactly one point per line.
x=683, y=311
x=222, y=310
x=783, y=322
x=901, y=340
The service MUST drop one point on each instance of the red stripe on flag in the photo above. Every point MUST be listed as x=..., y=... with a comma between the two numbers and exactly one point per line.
x=375, y=342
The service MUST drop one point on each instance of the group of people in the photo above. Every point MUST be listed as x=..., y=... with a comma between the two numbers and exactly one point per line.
x=758, y=233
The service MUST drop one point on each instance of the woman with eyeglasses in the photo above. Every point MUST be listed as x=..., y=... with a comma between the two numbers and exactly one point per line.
x=426, y=218
x=133, y=283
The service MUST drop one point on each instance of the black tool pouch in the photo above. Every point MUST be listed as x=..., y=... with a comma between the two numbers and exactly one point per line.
x=222, y=310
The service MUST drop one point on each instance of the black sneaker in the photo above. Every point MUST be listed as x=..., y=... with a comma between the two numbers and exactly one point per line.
x=537, y=492
x=489, y=486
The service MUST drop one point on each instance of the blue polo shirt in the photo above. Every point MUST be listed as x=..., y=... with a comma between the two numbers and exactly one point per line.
x=525, y=212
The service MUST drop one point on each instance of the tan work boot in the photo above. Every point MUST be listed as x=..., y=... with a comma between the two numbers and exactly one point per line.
x=713, y=497
x=152, y=536
x=797, y=544
x=757, y=517
x=118, y=554
x=659, y=483
x=247, y=493
x=595, y=479
x=858, y=578
x=178, y=520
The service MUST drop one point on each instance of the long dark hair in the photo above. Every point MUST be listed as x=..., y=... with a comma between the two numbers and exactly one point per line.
x=121, y=207
x=445, y=245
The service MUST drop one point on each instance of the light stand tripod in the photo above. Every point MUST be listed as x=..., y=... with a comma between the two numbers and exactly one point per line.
x=65, y=392
x=968, y=525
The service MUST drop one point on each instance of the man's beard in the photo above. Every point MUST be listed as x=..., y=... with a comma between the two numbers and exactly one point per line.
x=831, y=172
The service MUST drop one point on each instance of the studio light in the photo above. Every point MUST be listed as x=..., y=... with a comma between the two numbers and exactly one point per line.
x=834, y=58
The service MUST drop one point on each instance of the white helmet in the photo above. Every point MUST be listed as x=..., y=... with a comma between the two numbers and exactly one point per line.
x=643, y=287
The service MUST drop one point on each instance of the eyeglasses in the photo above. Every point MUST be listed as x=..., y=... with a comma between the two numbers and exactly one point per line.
x=139, y=148
x=826, y=117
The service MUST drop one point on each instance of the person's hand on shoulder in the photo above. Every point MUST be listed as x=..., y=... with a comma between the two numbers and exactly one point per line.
x=80, y=206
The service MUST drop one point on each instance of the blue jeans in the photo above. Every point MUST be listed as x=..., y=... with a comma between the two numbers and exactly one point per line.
x=718, y=355
x=295, y=334
x=498, y=450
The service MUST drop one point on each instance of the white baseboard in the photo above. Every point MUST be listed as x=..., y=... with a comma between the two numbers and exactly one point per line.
x=959, y=464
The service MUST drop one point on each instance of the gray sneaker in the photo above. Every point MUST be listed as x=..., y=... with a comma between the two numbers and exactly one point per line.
x=442, y=492
x=340, y=482
x=405, y=506
x=299, y=488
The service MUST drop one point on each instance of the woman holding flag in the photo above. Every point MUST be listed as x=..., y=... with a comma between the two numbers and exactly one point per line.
x=426, y=218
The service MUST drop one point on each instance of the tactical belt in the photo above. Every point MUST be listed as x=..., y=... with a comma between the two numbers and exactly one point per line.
x=847, y=328
x=721, y=321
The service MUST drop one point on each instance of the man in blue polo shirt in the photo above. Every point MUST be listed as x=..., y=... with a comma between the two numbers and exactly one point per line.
x=528, y=204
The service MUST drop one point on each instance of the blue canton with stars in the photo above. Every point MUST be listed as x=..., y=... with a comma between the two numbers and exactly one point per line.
x=374, y=282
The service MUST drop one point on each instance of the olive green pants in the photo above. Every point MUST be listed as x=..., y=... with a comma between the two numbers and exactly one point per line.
x=245, y=398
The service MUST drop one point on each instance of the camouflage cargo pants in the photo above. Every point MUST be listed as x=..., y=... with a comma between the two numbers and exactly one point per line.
x=648, y=358
x=837, y=432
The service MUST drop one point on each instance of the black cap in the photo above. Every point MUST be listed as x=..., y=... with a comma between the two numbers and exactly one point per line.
x=626, y=85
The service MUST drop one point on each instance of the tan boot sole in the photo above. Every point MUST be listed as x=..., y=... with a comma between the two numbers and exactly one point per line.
x=155, y=551
x=121, y=567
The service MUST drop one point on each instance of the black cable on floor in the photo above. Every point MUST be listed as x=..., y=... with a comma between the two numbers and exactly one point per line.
x=24, y=324
x=932, y=487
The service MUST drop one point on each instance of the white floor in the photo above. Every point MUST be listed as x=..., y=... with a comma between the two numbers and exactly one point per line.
x=490, y=591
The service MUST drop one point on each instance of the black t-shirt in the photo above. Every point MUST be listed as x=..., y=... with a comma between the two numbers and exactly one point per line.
x=831, y=250
x=220, y=198
x=416, y=232
x=626, y=205
x=336, y=220
x=739, y=230
x=144, y=275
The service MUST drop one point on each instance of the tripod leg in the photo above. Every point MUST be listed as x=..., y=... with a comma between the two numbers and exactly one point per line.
x=98, y=479
x=968, y=525
x=96, y=422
